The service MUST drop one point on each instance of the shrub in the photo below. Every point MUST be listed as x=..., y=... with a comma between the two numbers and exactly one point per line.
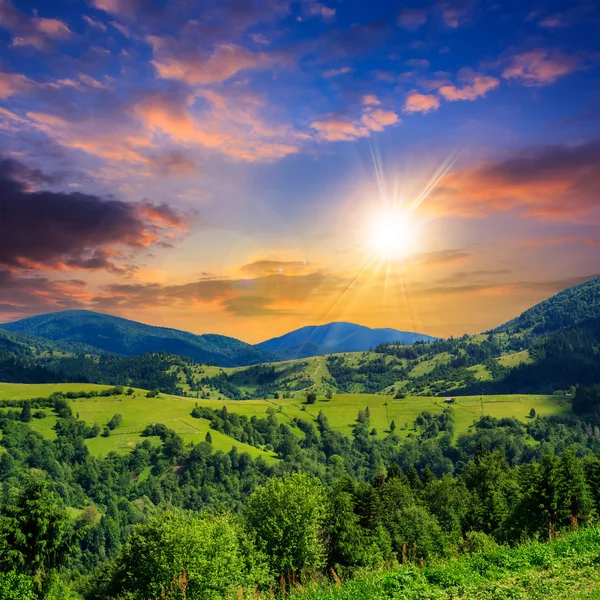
x=212, y=553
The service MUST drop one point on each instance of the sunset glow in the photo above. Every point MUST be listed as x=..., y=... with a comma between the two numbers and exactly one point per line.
x=249, y=168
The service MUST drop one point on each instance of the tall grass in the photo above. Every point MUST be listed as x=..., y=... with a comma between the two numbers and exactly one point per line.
x=567, y=567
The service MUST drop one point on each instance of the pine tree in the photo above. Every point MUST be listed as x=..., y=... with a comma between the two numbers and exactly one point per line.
x=25, y=415
x=208, y=437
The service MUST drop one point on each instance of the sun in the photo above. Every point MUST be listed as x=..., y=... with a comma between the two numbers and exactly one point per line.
x=391, y=234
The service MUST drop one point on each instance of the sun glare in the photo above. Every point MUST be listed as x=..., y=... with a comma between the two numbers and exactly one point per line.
x=391, y=234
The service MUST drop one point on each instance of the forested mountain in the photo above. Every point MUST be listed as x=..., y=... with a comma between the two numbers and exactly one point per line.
x=336, y=337
x=567, y=308
x=107, y=333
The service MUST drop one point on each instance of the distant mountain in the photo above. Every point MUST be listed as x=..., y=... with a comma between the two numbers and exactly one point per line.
x=565, y=309
x=106, y=333
x=336, y=337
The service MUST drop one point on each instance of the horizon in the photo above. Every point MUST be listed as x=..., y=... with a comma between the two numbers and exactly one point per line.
x=426, y=167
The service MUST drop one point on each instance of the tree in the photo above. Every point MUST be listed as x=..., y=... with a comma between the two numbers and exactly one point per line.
x=392, y=426
x=115, y=421
x=36, y=533
x=203, y=556
x=94, y=431
x=329, y=395
x=25, y=415
x=311, y=397
x=208, y=438
x=532, y=413
x=287, y=517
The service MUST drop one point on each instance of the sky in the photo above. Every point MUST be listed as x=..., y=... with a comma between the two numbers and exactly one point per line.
x=249, y=167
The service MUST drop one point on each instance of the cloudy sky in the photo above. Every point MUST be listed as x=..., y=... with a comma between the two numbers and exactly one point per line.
x=217, y=166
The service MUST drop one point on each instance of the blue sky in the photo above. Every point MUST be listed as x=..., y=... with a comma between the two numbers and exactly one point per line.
x=215, y=166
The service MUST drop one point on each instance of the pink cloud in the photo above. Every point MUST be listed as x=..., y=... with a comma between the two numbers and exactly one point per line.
x=171, y=62
x=540, y=67
x=35, y=31
x=423, y=103
x=370, y=100
x=475, y=85
x=412, y=18
x=336, y=128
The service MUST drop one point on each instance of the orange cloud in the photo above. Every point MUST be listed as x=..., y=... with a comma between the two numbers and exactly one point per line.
x=556, y=182
x=336, y=128
x=423, y=103
x=540, y=67
x=475, y=85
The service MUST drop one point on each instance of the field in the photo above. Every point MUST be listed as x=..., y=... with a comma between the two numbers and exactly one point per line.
x=341, y=411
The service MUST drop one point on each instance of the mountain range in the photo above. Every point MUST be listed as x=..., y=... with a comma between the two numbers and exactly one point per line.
x=93, y=333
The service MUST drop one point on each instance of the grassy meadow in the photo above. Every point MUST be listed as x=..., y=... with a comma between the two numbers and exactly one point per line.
x=341, y=411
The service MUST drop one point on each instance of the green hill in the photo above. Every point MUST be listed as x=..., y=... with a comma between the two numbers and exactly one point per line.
x=567, y=308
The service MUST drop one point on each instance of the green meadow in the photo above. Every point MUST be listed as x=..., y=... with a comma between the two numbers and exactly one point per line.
x=341, y=411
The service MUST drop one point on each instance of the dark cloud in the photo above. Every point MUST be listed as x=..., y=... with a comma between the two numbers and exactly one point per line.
x=553, y=182
x=57, y=230
x=22, y=296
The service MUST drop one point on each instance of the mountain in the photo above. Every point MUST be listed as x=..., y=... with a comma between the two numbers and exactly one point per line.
x=106, y=333
x=336, y=337
x=565, y=309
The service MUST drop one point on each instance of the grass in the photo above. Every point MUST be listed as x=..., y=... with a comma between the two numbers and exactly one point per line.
x=341, y=412
x=565, y=569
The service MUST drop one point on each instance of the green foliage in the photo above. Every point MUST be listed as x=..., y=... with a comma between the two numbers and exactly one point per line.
x=208, y=557
x=36, y=533
x=311, y=398
x=16, y=586
x=287, y=517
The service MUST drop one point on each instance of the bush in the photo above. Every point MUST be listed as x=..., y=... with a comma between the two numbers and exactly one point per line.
x=287, y=516
x=211, y=556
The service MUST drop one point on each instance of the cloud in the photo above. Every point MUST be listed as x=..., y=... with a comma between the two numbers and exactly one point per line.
x=94, y=23
x=370, y=100
x=442, y=258
x=455, y=13
x=233, y=124
x=412, y=18
x=540, y=67
x=14, y=83
x=313, y=8
x=473, y=85
x=262, y=295
x=340, y=128
x=552, y=182
x=186, y=62
x=336, y=72
x=72, y=230
x=22, y=296
x=35, y=31
x=270, y=266
x=423, y=103
x=560, y=240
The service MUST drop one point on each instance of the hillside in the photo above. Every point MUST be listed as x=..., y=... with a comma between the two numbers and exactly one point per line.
x=107, y=333
x=336, y=337
x=565, y=309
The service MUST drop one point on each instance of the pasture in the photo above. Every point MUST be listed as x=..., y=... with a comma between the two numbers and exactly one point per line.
x=341, y=411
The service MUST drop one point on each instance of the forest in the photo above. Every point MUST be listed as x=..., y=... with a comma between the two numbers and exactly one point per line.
x=170, y=520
